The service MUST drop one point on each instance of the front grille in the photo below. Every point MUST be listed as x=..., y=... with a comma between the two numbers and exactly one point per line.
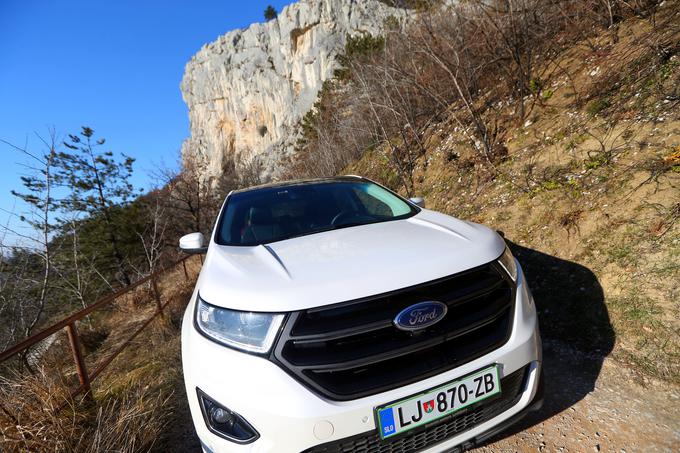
x=437, y=431
x=352, y=349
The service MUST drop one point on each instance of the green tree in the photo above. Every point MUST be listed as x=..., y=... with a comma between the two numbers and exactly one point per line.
x=270, y=13
x=100, y=187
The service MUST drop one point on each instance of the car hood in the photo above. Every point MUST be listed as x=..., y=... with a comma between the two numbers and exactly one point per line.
x=344, y=264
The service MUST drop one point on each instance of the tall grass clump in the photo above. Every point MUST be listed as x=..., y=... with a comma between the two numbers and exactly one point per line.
x=38, y=414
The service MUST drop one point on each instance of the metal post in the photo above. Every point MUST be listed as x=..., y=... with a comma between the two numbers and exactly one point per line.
x=184, y=265
x=74, y=341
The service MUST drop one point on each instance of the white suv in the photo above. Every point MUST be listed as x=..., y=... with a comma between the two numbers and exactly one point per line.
x=332, y=315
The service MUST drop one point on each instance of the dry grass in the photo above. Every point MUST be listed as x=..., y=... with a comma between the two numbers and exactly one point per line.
x=39, y=415
x=589, y=200
x=134, y=399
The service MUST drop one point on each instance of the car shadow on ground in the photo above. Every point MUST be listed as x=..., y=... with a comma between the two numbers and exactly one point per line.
x=575, y=327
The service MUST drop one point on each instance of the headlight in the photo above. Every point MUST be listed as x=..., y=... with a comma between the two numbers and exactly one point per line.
x=508, y=262
x=248, y=331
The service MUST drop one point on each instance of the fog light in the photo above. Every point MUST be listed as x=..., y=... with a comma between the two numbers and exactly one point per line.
x=224, y=422
x=221, y=417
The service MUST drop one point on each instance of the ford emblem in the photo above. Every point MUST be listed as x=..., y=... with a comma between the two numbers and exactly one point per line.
x=420, y=316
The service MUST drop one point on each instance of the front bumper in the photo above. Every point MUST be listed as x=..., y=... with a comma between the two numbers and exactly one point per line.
x=291, y=418
x=535, y=405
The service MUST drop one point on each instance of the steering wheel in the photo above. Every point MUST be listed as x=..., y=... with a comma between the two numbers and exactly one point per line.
x=342, y=215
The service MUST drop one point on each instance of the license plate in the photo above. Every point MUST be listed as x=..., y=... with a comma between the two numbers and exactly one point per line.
x=436, y=403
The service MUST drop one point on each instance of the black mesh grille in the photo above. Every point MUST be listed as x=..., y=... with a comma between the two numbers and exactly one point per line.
x=435, y=432
x=350, y=350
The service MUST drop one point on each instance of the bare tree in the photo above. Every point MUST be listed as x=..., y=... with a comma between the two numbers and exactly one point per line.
x=39, y=183
x=473, y=64
x=153, y=237
x=380, y=114
x=248, y=173
x=186, y=192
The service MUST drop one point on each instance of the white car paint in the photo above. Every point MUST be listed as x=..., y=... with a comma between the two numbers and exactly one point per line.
x=339, y=265
x=326, y=268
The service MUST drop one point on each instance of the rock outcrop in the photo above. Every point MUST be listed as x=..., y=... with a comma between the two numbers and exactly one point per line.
x=248, y=90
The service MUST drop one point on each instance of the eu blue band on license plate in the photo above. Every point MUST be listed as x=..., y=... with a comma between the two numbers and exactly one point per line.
x=433, y=404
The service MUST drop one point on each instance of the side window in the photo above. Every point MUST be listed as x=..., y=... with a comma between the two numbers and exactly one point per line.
x=372, y=205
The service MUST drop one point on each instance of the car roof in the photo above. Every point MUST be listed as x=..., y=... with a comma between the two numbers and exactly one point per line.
x=300, y=182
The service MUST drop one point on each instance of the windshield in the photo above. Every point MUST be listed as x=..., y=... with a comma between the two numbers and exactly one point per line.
x=270, y=214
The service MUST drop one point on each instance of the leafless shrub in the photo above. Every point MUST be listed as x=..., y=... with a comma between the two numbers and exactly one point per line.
x=187, y=196
x=247, y=174
x=153, y=236
x=29, y=300
x=647, y=69
x=481, y=64
x=570, y=221
x=447, y=63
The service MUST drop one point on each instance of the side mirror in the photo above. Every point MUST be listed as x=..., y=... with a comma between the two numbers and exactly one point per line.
x=418, y=201
x=193, y=243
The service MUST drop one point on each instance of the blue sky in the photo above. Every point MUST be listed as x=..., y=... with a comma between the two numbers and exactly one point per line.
x=112, y=65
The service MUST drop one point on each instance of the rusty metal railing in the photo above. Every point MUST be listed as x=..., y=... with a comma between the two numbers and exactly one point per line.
x=69, y=323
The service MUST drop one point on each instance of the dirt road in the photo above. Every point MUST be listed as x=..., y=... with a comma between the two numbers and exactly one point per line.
x=591, y=405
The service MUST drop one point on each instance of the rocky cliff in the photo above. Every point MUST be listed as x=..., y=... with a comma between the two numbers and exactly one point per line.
x=248, y=90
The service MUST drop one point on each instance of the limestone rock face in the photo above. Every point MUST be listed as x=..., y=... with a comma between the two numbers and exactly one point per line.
x=248, y=90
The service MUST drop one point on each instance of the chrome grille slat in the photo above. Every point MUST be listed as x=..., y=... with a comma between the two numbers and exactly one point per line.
x=340, y=350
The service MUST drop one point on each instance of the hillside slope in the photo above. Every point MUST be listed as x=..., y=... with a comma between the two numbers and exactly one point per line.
x=588, y=196
x=135, y=401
